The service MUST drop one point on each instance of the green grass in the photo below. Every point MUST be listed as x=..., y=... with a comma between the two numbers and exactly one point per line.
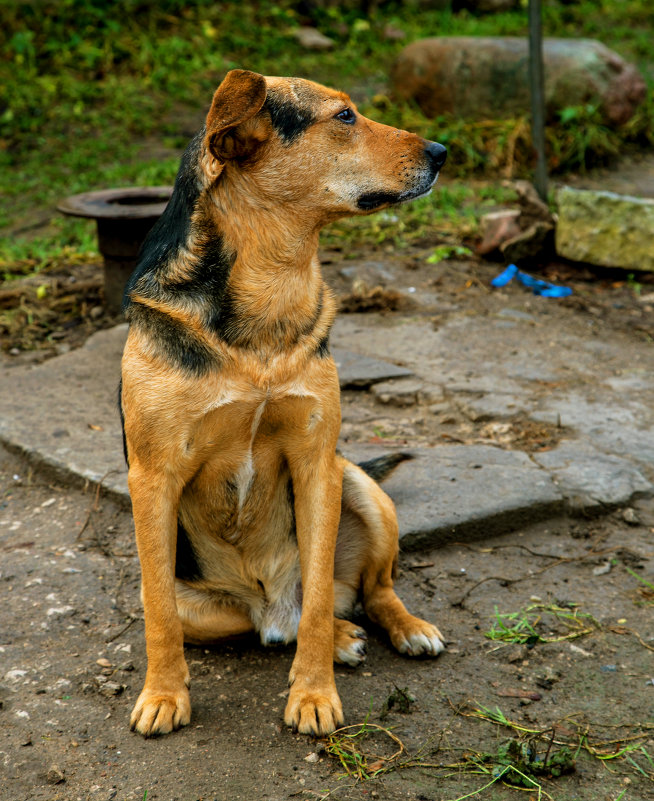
x=98, y=93
x=538, y=622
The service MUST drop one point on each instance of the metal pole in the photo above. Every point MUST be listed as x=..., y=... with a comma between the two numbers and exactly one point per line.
x=537, y=91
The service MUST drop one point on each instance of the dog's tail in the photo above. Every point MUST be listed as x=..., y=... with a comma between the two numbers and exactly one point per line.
x=382, y=466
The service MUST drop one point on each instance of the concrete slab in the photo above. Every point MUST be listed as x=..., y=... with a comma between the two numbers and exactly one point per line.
x=590, y=479
x=356, y=371
x=63, y=414
x=455, y=492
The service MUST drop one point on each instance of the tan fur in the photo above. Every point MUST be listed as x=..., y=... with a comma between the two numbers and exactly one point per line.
x=218, y=451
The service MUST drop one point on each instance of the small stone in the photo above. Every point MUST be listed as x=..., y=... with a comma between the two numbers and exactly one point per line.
x=312, y=757
x=105, y=663
x=14, y=352
x=602, y=570
x=55, y=775
x=400, y=393
x=96, y=311
x=110, y=689
x=312, y=39
x=630, y=516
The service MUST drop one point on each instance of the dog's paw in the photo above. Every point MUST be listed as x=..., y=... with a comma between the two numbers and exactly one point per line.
x=417, y=638
x=318, y=712
x=160, y=713
x=349, y=643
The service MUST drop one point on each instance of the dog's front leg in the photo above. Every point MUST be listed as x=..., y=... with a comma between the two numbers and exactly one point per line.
x=164, y=703
x=313, y=704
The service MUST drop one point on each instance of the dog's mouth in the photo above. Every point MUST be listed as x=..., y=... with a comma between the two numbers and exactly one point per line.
x=374, y=200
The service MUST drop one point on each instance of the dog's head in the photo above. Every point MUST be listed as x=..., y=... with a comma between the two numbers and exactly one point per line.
x=292, y=142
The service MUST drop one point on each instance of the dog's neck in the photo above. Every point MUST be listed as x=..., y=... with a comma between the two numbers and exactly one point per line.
x=247, y=275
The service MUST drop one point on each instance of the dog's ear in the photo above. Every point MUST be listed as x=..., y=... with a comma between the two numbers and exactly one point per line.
x=236, y=101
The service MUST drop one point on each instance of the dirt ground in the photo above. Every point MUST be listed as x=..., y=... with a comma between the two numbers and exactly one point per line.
x=73, y=660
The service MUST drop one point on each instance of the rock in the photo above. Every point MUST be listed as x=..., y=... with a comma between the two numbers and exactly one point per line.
x=55, y=775
x=591, y=479
x=630, y=516
x=359, y=372
x=312, y=39
x=605, y=228
x=496, y=228
x=111, y=689
x=486, y=77
x=400, y=393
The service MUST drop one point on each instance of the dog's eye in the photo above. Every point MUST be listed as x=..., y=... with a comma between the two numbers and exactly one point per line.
x=347, y=116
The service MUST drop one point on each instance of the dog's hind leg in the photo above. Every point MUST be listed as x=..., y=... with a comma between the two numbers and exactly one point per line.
x=206, y=618
x=366, y=557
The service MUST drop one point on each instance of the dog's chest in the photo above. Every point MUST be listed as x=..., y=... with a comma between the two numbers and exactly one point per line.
x=245, y=473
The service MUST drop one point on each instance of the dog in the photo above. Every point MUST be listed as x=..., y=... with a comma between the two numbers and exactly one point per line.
x=246, y=516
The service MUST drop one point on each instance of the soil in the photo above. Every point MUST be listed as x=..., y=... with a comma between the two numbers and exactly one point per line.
x=73, y=661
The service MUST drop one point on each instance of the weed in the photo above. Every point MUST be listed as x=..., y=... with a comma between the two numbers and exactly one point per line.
x=444, y=252
x=647, y=592
x=522, y=627
x=575, y=737
x=400, y=699
x=351, y=744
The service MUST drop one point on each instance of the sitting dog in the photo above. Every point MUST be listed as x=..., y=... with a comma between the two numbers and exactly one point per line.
x=246, y=517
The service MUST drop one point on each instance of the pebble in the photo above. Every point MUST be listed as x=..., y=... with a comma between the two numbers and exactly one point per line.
x=630, y=516
x=105, y=663
x=401, y=394
x=313, y=39
x=110, y=688
x=55, y=775
x=312, y=757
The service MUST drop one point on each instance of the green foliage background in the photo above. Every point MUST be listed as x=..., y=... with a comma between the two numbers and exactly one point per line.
x=97, y=93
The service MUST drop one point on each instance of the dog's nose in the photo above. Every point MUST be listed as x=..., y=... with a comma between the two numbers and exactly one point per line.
x=437, y=154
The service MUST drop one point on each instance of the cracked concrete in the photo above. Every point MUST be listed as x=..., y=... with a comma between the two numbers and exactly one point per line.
x=594, y=392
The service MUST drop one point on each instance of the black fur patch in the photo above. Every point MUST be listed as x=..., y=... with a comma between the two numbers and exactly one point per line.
x=205, y=285
x=288, y=119
x=122, y=419
x=187, y=567
x=173, y=341
x=322, y=351
x=172, y=229
x=372, y=200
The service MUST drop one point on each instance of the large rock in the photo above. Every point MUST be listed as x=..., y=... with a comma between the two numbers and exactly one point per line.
x=606, y=229
x=479, y=77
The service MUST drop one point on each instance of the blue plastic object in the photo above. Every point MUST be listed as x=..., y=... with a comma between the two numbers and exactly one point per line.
x=539, y=287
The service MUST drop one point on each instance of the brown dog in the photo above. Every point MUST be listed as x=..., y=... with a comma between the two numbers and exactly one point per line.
x=246, y=517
